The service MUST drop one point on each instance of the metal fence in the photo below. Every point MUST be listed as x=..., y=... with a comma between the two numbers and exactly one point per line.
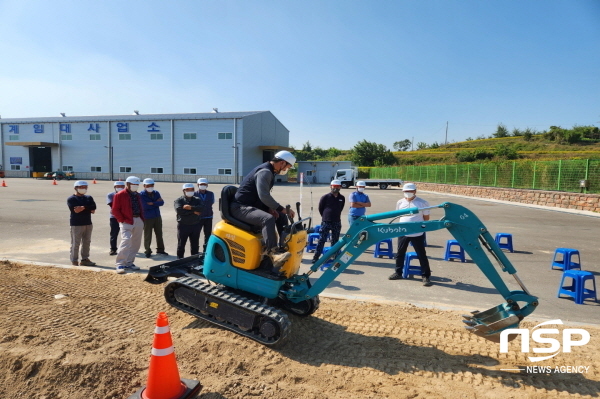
x=562, y=175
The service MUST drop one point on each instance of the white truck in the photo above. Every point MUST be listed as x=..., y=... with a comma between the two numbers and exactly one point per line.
x=350, y=176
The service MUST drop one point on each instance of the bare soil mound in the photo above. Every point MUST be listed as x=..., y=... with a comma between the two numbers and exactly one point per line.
x=69, y=333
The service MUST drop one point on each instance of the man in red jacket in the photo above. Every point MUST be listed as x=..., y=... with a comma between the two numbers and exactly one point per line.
x=127, y=209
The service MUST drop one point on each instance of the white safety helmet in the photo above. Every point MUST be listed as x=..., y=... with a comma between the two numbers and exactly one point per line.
x=409, y=187
x=203, y=180
x=80, y=183
x=360, y=184
x=148, y=181
x=336, y=182
x=133, y=180
x=187, y=185
x=286, y=156
x=119, y=183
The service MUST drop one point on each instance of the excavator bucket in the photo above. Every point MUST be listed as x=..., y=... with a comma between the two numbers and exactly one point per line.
x=178, y=268
x=490, y=323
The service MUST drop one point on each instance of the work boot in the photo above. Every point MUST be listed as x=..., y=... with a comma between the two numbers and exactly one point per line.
x=279, y=259
x=86, y=262
x=112, y=252
x=75, y=263
x=395, y=276
x=426, y=282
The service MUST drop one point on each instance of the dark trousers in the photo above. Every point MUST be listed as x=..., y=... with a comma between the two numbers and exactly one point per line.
x=206, y=228
x=326, y=227
x=419, y=246
x=114, y=233
x=153, y=224
x=185, y=231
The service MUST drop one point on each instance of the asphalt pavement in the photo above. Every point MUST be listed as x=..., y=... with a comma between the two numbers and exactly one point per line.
x=34, y=221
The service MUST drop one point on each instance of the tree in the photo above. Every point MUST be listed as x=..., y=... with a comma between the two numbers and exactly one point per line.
x=501, y=131
x=402, y=145
x=307, y=147
x=366, y=153
x=421, y=145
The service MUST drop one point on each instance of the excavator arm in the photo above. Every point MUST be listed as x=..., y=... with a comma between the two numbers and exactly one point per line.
x=466, y=228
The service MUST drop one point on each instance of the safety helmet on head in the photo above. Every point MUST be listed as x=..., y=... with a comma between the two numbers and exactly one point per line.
x=360, y=184
x=80, y=183
x=119, y=183
x=133, y=180
x=409, y=187
x=336, y=182
x=148, y=181
x=202, y=180
x=286, y=156
x=187, y=185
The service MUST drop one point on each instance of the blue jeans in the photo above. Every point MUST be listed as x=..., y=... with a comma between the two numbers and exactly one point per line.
x=352, y=218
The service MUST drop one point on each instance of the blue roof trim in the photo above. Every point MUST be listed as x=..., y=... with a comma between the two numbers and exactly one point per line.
x=142, y=117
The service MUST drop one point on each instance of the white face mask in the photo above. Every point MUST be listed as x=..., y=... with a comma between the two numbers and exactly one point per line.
x=149, y=189
x=82, y=190
x=189, y=193
x=118, y=189
x=409, y=195
x=360, y=189
x=202, y=187
x=134, y=187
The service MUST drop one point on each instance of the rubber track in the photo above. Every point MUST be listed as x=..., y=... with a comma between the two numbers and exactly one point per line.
x=239, y=301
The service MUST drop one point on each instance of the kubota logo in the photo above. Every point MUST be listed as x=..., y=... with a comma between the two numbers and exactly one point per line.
x=537, y=336
x=390, y=230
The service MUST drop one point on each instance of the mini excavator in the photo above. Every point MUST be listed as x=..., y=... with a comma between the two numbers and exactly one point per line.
x=232, y=286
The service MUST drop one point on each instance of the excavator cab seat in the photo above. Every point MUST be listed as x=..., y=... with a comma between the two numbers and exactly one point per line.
x=227, y=198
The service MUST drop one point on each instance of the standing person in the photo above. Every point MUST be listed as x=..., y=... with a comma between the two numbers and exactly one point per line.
x=188, y=209
x=254, y=204
x=411, y=200
x=330, y=208
x=206, y=218
x=114, y=225
x=82, y=207
x=358, y=202
x=129, y=212
x=151, y=202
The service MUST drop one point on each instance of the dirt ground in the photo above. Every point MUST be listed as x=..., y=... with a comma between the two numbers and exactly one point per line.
x=95, y=342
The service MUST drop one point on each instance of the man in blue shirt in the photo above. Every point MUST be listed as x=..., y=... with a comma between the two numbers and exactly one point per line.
x=206, y=215
x=151, y=202
x=82, y=207
x=358, y=202
x=114, y=225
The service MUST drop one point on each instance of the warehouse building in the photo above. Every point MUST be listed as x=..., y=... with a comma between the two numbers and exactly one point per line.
x=221, y=146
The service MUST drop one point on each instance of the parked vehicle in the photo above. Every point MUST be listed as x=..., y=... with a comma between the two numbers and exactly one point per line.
x=59, y=175
x=348, y=176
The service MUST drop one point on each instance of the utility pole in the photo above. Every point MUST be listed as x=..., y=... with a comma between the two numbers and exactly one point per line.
x=412, y=142
x=446, y=143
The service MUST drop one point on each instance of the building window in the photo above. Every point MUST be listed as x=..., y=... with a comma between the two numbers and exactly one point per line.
x=224, y=171
x=67, y=168
x=13, y=137
x=95, y=137
x=225, y=136
x=124, y=169
x=125, y=136
x=64, y=137
x=156, y=136
x=156, y=170
x=15, y=167
x=309, y=173
x=189, y=171
x=96, y=169
x=189, y=136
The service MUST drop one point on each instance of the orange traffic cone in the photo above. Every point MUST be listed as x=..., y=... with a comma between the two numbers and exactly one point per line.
x=4, y=184
x=54, y=183
x=94, y=180
x=163, y=374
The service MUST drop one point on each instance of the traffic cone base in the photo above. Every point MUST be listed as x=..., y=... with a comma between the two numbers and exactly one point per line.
x=192, y=387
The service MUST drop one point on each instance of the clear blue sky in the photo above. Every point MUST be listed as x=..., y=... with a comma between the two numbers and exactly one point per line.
x=333, y=72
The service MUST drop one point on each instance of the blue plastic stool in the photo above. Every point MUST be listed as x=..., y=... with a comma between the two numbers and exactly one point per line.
x=577, y=288
x=317, y=228
x=424, y=241
x=408, y=268
x=507, y=244
x=388, y=251
x=450, y=254
x=313, y=240
x=566, y=263
x=329, y=262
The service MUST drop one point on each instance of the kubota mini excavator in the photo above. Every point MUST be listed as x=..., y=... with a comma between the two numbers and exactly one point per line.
x=232, y=287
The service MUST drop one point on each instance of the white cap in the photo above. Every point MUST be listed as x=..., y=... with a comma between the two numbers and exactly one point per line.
x=187, y=185
x=360, y=184
x=80, y=183
x=119, y=183
x=409, y=187
x=202, y=180
x=286, y=156
x=148, y=181
x=336, y=182
x=133, y=180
